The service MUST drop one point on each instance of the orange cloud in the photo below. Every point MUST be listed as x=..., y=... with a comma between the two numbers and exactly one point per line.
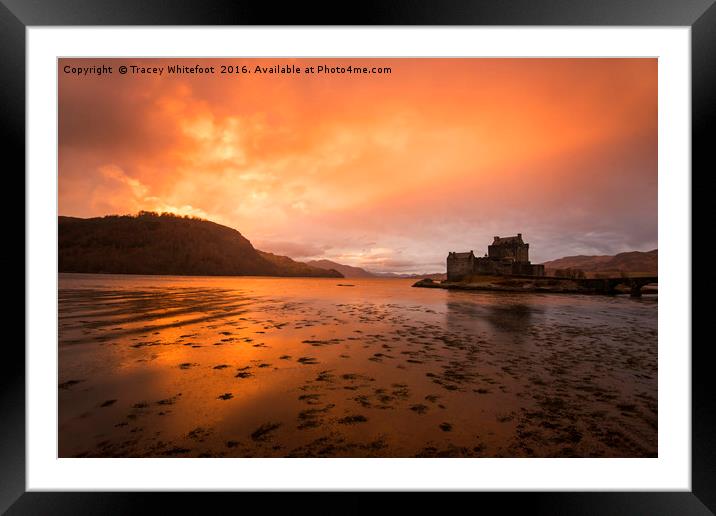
x=389, y=171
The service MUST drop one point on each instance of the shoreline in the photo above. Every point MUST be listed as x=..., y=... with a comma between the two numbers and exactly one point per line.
x=137, y=275
x=545, y=285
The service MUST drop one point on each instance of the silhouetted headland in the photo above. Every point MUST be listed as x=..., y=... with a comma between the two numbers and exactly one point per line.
x=150, y=243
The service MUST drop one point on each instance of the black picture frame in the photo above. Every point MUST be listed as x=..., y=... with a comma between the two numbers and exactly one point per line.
x=700, y=15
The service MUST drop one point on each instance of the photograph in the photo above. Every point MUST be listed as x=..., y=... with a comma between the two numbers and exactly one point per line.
x=392, y=257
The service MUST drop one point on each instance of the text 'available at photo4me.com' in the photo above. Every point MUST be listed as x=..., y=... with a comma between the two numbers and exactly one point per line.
x=228, y=68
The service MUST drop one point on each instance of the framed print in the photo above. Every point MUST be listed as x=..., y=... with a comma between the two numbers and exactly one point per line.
x=269, y=251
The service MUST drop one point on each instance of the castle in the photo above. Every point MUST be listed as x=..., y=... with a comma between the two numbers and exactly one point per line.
x=506, y=256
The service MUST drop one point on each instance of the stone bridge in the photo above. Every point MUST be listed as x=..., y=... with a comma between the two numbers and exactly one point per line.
x=608, y=285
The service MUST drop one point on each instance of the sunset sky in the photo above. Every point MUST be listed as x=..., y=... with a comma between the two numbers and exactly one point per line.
x=387, y=172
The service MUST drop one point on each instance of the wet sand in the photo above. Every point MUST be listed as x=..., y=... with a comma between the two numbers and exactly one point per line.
x=292, y=367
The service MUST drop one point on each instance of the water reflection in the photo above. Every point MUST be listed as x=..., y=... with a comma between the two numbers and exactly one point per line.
x=506, y=314
x=515, y=318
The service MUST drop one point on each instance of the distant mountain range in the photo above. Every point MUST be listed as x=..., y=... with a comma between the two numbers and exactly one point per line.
x=149, y=243
x=634, y=261
x=347, y=270
x=356, y=272
x=433, y=275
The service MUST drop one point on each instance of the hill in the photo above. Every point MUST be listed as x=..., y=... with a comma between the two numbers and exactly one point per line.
x=294, y=268
x=356, y=272
x=347, y=270
x=634, y=261
x=149, y=243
